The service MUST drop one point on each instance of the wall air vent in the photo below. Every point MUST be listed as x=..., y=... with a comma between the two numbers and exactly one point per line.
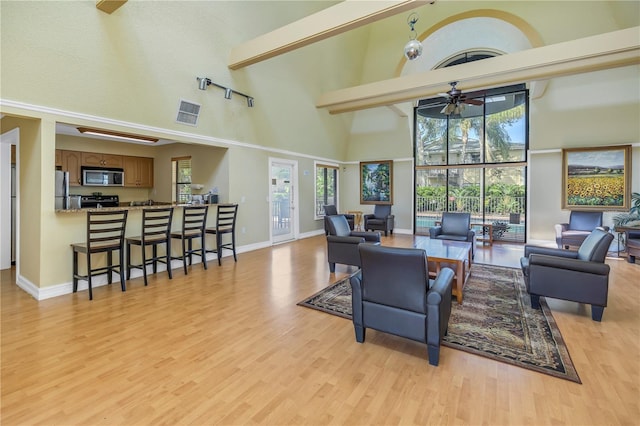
x=188, y=113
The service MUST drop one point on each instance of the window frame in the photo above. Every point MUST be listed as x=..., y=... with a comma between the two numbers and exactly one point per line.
x=318, y=210
x=484, y=164
x=177, y=196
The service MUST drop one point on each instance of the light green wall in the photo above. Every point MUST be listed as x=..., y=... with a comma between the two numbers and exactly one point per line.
x=67, y=61
x=30, y=175
x=136, y=65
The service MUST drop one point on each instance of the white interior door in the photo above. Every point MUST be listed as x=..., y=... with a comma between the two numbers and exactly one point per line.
x=283, y=200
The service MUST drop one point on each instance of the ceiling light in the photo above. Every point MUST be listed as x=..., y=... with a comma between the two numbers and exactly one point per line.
x=448, y=109
x=455, y=108
x=413, y=48
x=116, y=135
x=204, y=82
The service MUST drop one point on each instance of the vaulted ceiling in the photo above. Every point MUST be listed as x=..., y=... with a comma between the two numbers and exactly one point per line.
x=603, y=51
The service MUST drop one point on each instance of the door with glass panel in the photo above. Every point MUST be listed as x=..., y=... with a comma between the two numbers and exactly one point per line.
x=282, y=211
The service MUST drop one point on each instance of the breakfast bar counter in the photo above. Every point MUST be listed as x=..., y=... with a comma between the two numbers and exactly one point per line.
x=126, y=206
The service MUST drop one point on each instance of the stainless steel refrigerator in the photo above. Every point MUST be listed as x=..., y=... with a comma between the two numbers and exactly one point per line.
x=62, y=190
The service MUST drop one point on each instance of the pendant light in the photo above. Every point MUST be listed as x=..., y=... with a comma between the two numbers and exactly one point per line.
x=413, y=48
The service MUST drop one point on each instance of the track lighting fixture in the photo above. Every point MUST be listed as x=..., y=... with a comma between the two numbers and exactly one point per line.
x=413, y=48
x=204, y=82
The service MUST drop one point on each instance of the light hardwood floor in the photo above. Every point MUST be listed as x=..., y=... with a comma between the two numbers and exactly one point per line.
x=230, y=346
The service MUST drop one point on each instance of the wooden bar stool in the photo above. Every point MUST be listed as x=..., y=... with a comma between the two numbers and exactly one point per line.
x=193, y=225
x=156, y=229
x=105, y=234
x=225, y=224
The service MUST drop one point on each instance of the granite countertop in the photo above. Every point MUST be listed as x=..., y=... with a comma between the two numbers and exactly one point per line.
x=122, y=206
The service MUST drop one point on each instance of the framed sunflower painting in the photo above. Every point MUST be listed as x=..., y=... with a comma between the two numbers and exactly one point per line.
x=596, y=178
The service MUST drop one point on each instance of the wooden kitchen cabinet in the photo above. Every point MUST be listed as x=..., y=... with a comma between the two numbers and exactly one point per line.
x=95, y=159
x=58, y=159
x=71, y=162
x=138, y=172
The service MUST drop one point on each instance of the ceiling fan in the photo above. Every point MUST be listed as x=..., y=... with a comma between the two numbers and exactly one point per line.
x=456, y=100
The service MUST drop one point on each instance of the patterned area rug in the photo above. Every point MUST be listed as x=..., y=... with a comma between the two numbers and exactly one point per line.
x=495, y=321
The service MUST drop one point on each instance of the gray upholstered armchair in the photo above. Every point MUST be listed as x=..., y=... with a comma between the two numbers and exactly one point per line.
x=331, y=210
x=380, y=220
x=580, y=276
x=392, y=293
x=342, y=243
x=632, y=241
x=580, y=225
x=456, y=227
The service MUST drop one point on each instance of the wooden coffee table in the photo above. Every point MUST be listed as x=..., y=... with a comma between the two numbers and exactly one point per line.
x=453, y=254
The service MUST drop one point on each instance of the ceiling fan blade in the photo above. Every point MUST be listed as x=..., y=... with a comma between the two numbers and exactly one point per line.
x=473, y=101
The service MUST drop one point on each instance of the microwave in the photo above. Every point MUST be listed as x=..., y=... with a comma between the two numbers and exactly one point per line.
x=95, y=176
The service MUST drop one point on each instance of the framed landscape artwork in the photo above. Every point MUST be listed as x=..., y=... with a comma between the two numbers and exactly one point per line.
x=376, y=182
x=597, y=178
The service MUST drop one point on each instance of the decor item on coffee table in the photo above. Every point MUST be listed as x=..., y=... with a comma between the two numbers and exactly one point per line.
x=342, y=242
x=496, y=322
x=392, y=293
x=580, y=276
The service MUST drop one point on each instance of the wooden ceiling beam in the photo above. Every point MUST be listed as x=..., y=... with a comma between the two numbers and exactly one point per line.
x=109, y=6
x=602, y=51
x=342, y=17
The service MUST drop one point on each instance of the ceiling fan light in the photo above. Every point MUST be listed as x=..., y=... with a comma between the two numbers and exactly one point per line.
x=448, y=109
x=413, y=49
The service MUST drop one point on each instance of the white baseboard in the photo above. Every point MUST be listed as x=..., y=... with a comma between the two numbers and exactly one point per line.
x=403, y=231
x=100, y=280
x=67, y=287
